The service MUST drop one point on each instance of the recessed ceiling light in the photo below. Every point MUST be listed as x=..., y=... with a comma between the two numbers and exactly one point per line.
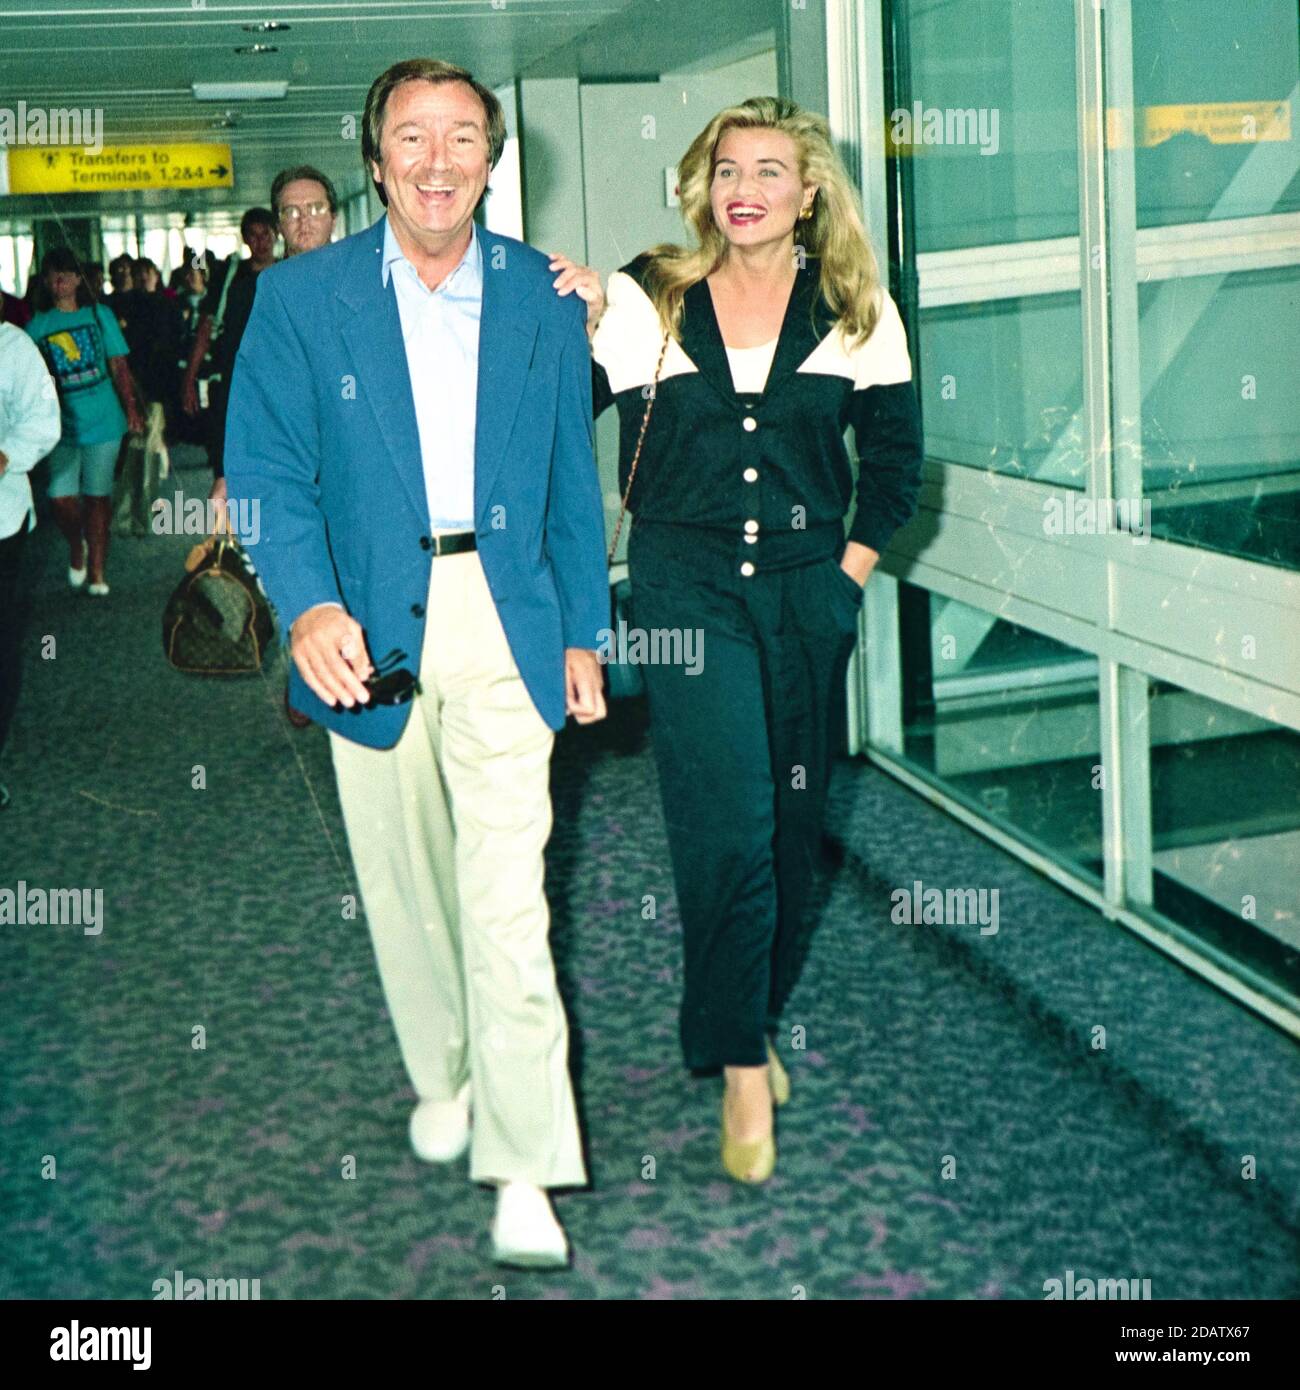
x=257, y=48
x=265, y=26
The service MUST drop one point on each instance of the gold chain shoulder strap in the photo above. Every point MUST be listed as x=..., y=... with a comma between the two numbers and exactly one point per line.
x=636, y=457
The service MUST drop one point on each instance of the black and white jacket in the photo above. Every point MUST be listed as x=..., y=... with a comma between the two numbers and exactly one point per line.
x=719, y=459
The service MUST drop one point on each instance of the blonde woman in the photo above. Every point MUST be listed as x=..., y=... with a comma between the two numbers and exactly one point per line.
x=768, y=338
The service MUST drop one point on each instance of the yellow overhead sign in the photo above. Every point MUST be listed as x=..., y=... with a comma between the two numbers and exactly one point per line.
x=912, y=130
x=67, y=169
x=1219, y=122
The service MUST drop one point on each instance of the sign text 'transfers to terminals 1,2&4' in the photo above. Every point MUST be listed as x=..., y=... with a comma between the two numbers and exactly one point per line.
x=67, y=169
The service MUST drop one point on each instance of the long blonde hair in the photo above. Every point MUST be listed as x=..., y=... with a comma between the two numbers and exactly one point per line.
x=835, y=233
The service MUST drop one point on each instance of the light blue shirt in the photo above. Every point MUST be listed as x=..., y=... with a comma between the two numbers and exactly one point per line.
x=29, y=424
x=440, y=330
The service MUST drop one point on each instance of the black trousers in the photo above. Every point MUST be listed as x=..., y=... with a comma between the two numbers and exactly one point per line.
x=218, y=400
x=13, y=608
x=743, y=751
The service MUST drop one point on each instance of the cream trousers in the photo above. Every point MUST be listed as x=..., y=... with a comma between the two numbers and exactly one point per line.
x=448, y=831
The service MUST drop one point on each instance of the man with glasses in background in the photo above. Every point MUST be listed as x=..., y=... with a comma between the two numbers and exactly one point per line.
x=305, y=205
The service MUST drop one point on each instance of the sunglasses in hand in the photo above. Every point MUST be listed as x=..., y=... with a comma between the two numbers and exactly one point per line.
x=389, y=683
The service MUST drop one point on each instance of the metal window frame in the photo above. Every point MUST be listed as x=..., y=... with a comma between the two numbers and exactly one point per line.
x=959, y=504
x=977, y=274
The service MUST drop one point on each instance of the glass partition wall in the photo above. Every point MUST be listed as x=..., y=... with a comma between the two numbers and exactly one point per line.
x=1087, y=643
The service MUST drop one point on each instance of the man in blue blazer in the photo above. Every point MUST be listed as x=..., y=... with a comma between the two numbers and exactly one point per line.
x=411, y=416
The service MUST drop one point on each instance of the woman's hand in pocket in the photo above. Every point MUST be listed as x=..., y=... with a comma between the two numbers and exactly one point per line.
x=858, y=561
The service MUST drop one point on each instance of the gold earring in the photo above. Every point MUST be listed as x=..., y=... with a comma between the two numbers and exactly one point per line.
x=806, y=213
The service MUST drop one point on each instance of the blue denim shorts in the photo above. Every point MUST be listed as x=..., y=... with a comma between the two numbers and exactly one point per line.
x=84, y=470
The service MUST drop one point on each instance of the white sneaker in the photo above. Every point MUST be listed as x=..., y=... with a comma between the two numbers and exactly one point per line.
x=440, y=1128
x=76, y=578
x=97, y=589
x=525, y=1232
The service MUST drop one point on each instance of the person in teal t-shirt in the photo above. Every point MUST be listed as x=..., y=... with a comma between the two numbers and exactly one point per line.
x=86, y=354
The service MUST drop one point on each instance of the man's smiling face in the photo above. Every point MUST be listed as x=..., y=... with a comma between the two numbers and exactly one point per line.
x=433, y=160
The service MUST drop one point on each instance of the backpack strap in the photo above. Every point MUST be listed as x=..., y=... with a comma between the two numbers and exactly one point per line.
x=218, y=319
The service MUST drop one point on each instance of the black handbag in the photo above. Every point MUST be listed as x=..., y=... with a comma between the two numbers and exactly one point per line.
x=625, y=678
x=217, y=621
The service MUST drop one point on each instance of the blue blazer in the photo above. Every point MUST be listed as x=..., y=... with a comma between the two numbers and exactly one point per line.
x=321, y=434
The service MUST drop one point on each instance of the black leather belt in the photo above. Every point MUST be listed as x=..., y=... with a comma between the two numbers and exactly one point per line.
x=455, y=543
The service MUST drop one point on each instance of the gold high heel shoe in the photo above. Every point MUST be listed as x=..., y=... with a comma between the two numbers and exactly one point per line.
x=747, y=1160
x=778, y=1078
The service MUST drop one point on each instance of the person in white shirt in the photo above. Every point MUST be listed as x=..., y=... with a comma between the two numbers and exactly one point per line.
x=29, y=428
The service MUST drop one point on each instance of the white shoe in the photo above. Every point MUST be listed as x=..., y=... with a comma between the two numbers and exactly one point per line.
x=76, y=578
x=440, y=1128
x=525, y=1232
x=98, y=589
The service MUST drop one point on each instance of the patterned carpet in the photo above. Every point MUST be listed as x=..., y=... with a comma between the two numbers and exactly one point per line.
x=953, y=1133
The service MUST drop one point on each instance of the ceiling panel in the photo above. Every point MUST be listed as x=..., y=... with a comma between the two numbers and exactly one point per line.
x=136, y=60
